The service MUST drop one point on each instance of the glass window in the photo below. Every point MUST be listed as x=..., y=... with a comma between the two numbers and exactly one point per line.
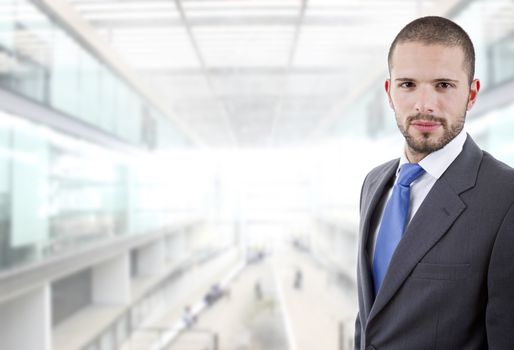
x=41, y=60
x=64, y=78
x=29, y=187
x=84, y=180
x=7, y=24
x=108, y=100
x=56, y=192
x=89, y=88
x=121, y=125
x=501, y=54
x=31, y=47
x=499, y=130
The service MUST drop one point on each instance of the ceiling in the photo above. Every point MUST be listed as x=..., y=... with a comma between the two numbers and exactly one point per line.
x=254, y=73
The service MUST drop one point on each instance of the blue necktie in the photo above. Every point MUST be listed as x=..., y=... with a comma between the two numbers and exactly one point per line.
x=394, y=221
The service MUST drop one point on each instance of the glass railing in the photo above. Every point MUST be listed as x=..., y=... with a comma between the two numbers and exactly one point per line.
x=58, y=193
x=501, y=56
x=40, y=60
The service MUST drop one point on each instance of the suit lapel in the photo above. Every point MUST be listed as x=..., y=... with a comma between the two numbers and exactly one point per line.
x=371, y=198
x=439, y=210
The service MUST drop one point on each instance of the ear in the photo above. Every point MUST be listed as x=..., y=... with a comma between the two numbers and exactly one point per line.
x=473, y=93
x=387, y=86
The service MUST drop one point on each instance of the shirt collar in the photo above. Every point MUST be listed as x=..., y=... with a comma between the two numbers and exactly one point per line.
x=436, y=163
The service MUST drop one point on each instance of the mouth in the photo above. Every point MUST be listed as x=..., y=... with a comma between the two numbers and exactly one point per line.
x=425, y=126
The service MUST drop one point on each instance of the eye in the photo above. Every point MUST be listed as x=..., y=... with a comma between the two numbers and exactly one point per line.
x=444, y=85
x=407, y=84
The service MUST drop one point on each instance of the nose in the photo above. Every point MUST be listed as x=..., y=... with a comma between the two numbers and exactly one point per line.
x=425, y=101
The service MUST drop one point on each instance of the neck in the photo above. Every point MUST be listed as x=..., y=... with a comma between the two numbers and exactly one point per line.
x=413, y=156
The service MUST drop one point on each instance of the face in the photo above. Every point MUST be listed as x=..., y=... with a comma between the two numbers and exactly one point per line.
x=430, y=94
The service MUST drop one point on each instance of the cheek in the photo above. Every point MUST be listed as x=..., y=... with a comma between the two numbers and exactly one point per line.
x=402, y=104
x=453, y=105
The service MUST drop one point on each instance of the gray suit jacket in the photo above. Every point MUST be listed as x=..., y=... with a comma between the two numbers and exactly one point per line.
x=450, y=283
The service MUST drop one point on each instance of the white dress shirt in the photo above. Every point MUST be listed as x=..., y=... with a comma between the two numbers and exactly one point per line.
x=434, y=164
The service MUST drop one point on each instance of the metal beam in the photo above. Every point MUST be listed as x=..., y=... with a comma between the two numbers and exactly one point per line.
x=294, y=46
x=203, y=65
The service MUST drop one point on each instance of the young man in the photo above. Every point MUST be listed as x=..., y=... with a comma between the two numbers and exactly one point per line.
x=436, y=252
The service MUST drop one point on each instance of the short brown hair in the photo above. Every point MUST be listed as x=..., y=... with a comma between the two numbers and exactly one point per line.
x=433, y=30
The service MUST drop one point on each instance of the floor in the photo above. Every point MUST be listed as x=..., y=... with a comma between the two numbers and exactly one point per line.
x=266, y=310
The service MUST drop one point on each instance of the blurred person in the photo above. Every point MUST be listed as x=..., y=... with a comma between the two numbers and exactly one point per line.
x=187, y=317
x=436, y=251
x=298, y=279
x=257, y=289
x=214, y=294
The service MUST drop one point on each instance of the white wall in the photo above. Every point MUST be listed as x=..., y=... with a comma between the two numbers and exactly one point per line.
x=25, y=321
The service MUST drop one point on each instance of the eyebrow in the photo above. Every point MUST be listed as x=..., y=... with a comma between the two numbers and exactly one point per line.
x=439, y=80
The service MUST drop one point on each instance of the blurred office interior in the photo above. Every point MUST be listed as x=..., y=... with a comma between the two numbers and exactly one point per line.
x=156, y=151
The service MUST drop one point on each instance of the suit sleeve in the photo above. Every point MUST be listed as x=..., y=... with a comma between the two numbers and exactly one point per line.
x=362, y=191
x=357, y=334
x=500, y=305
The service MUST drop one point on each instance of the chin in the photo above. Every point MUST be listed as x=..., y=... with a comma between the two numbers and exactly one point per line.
x=431, y=137
x=425, y=144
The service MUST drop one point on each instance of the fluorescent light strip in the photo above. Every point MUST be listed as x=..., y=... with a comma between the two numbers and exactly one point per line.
x=245, y=8
x=245, y=41
x=179, y=48
x=237, y=36
x=239, y=4
x=247, y=57
x=229, y=50
x=133, y=15
x=265, y=64
x=365, y=13
x=252, y=53
x=167, y=60
x=245, y=37
x=152, y=38
x=116, y=6
x=240, y=52
x=243, y=30
x=247, y=45
x=154, y=48
x=371, y=4
x=150, y=31
x=164, y=60
x=242, y=13
x=85, y=2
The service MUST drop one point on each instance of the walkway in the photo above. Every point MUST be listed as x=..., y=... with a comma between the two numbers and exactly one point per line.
x=283, y=318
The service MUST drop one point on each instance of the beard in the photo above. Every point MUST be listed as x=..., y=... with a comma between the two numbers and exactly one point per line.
x=427, y=143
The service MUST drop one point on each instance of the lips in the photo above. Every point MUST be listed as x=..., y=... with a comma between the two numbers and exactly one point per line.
x=425, y=126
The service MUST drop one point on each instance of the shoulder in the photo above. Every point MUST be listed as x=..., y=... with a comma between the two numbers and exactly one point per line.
x=376, y=176
x=381, y=169
x=496, y=171
x=495, y=184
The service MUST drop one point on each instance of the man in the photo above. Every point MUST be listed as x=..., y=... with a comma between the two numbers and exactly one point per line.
x=436, y=251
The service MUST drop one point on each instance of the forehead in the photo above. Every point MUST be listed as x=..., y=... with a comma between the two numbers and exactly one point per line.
x=420, y=58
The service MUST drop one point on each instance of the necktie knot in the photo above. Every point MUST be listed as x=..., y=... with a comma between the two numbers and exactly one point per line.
x=408, y=173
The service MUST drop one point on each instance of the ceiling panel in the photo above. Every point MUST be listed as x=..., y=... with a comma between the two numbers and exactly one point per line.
x=250, y=73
